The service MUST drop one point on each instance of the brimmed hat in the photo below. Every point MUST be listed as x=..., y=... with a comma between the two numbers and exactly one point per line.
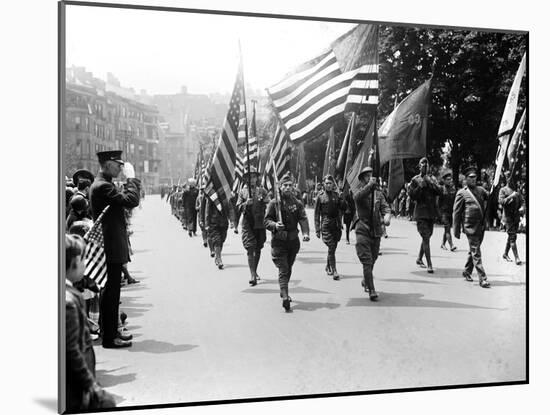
x=469, y=170
x=329, y=178
x=286, y=178
x=82, y=174
x=446, y=173
x=365, y=170
x=114, y=155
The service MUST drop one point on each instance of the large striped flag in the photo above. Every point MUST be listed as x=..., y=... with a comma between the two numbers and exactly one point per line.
x=239, y=171
x=344, y=78
x=253, y=149
x=94, y=257
x=279, y=158
x=222, y=169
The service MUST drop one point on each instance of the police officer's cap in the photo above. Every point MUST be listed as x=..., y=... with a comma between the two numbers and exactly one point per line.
x=82, y=174
x=367, y=169
x=79, y=203
x=446, y=173
x=469, y=170
x=114, y=155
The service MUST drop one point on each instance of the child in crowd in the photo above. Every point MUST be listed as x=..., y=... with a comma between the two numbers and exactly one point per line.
x=82, y=390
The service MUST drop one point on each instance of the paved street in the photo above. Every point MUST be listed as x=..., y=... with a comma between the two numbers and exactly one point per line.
x=204, y=334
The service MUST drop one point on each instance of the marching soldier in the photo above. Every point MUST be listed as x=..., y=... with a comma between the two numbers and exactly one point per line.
x=424, y=190
x=329, y=207
x=468, y=214
x=199, y=207
x=282, y=218
x=189, y=197
x=216, y=224
x=446, y=201
x=349, y=213
x=368, y=227
x=252, y=205
x=512, y=203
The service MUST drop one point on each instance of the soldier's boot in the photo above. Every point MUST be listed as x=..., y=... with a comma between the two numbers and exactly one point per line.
x=251, y=264
x=506, y=250
x=328, y=269
x=515, y=251
x=218, y=256
x=369, y=281
x=335, y=275
x=257, y=256
x=286, y=299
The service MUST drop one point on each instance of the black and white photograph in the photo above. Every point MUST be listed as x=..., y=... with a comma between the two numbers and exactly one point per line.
x=263, y=206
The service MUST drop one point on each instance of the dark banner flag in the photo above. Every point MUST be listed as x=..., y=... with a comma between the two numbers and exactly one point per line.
x=396, y=178
x=403, y=133
x=329, y=166
x=362, y=160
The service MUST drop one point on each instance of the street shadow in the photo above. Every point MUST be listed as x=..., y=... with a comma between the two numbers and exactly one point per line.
x=276, y=281
x=48, y=403
x=140, y=251
x=297, y=290
x=132, y=308
x=320, y=260
x=107, y=379
x=407, y=280
x=506, y=283
x=234, y=266
x=350, y=277
x=158, y=347
x=133, y=287
x=312, y=306
x=383, y=252
x=439, y=272
x=133, y=328
x=410, y=300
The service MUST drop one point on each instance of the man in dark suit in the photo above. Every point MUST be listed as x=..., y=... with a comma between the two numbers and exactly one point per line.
x=468, y=214
x=104, y=193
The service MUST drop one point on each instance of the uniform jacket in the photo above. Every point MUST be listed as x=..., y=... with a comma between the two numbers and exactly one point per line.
x=213, y=217
x=367, y=221
x=446, y=200
x=253, y=214
x=292, y=212
x=80, y=353
x=189, y=199
x=329, y=208
x=115, y=238
x=468, y=210
x=510, y=204
x=425, y=197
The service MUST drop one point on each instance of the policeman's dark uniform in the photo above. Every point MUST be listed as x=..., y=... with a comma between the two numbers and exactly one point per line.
x=253, y=227
x=368, y=230
x=329, y=207
x=285, y=244
x=104, y=193
x=468, y=212
x=511, y=201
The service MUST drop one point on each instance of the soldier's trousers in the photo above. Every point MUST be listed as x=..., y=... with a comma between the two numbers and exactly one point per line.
x=192, y=220
x=367, y=249
x=474, y=257
x=283, y=254
x=331, y=235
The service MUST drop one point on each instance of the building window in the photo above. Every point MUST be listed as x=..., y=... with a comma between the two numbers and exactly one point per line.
x=87, y=124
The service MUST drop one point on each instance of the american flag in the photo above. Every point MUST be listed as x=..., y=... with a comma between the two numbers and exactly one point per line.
x=345, y=78
x=253, y=150
x=239, y=171
x=222, y=169
x=96, y=266
x=279, y=158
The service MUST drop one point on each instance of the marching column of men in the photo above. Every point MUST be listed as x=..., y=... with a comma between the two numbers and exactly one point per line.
x=367, y=212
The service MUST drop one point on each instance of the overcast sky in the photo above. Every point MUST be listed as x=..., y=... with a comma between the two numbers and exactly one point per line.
x=161, y=51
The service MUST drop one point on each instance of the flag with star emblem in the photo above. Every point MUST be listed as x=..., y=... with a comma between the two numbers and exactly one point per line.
x=279, y=158
x=222, y=169
x=94, y=255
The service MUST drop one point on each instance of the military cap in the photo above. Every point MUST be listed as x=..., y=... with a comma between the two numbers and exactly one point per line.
x=286, y=178
x=252, y=170
x=82, y=174
x=469, y=170
x=114, y=155
x=329, y=178
x=446, y=173
x=365, y=170
x=422, y=160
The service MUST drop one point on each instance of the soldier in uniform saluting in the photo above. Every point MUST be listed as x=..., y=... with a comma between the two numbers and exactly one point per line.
x=282, y=218
x=468, y=214
x=252, y=206
x=368, y=227
x=329, y=207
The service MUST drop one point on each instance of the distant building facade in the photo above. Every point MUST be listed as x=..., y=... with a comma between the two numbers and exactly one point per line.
x=103, y=116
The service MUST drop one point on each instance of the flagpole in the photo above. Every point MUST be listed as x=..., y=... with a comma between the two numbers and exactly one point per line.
x=246, y=124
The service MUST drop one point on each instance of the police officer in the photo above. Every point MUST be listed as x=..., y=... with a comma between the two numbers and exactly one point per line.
x=423, y=190
x=468, y=214
x=368, y=226
x=512, y=202
x=252, y=205
x=446, y=201
x=282, y=219
x=329, y=207
x=189, y=197
x=104, y=193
